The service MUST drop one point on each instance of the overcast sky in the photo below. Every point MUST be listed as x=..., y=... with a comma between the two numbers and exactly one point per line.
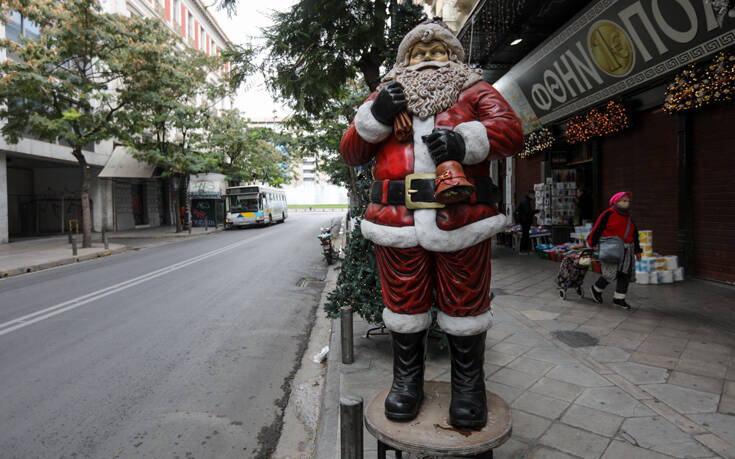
x=244, y=27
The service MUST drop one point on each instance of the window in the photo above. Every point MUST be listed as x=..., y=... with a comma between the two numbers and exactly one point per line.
x=201, y=38
x=190, y=26
x=18, y=26
x=177, y=11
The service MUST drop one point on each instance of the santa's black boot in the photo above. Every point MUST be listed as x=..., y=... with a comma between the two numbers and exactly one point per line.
x=407, y=392
x=468, y=409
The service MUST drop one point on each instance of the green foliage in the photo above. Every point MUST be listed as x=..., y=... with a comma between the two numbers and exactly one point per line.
x=403, y=17
x=358, y=284
x=318, y=46
x=247, y=153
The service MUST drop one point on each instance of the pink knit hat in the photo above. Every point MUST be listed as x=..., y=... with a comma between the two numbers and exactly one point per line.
x=618, y=196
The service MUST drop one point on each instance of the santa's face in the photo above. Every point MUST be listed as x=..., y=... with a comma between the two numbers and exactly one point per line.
x=433, y=51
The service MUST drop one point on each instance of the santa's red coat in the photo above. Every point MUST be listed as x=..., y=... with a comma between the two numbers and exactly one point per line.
x=490, y=129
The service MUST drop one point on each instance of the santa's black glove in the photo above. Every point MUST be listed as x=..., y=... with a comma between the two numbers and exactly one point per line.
x=389, y=102
x=445, y=145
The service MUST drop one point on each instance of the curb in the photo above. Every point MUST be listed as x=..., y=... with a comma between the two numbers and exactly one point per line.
x=181, y=235
x=62, y=262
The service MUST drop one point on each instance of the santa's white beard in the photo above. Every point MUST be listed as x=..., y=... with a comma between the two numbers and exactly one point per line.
x=433, y=91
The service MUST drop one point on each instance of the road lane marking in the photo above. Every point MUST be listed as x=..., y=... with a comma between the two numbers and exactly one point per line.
x=68, y=305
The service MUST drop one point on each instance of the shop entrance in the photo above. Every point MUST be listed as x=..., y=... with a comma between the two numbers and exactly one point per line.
x=138, y=195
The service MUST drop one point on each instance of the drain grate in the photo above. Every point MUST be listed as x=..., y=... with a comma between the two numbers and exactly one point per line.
x=575, y=339
x=310, y=282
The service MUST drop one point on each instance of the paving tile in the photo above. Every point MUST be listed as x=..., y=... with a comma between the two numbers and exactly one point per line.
x=624, y=450
x=511, y=449
x=729, y=388
x=609, y=354
x=697, y=382
x=545, y=453
x=727, y=405
x=578, y=374
x=575, y=441
x=510, y=348
x=722, y=425
x=507, y=393
x=528, y=426
x=595, y=421
x=682, y=399
x=711, y=362
x=637, y=327
x=613, y=400
x=655, y=360
x=531, y=339
x=638, y=373
x=556, y=389
x=708, y=346
x=662, y=345
x=534, y=314
x=660, y=435
x=540, y=405
x=498, y=358
x=624, y=339
x=551, y=355
x=514, y=378
x=531, y=366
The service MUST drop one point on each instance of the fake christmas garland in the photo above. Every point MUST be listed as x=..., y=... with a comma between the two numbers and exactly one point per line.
x=694, y=87
x=598, y=122
x=536, y=142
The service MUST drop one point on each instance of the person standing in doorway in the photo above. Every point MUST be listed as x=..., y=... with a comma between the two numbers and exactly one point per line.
x=524, y=216
x=616, y=222
x=584, y=205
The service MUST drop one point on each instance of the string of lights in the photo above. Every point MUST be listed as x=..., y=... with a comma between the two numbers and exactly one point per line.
x=536, y=142
x=597, y=122
x=695, y=87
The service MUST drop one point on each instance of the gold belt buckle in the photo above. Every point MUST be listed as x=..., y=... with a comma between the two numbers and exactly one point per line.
x=422, y=204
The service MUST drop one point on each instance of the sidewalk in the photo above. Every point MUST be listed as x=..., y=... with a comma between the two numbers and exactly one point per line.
x=35, y=254
x=655, y=382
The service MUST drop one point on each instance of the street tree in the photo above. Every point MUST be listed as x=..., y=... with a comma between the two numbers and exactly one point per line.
x=248, y=153
x=69, y=83
x=172, y=103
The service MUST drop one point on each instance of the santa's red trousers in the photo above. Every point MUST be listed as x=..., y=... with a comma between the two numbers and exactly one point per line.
x=461, y=279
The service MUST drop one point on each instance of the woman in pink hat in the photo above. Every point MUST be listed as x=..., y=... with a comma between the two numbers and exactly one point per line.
x=616, y=222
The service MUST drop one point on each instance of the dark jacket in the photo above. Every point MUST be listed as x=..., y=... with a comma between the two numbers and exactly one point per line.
x=585, y=206
x=613, y=223
x=525, y=212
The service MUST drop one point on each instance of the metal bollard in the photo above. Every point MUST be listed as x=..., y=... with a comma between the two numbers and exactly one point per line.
x=69, y=233
x=350, y=415
x=206, y=224
x=74, y=245
x=105, y=240
x=345, y=314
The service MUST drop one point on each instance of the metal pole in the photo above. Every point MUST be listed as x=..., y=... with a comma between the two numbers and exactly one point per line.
x=345, y=314
x=206, y=223
x=74, y=245
x=350, y=415
x=105, y=240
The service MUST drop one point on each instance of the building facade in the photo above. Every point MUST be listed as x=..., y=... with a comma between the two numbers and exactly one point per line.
x=603, y=78
x=40, y=181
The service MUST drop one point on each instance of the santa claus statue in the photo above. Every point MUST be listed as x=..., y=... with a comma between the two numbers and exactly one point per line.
x=426, y=249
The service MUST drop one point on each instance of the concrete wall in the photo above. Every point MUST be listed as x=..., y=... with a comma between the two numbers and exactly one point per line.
x=3, y=198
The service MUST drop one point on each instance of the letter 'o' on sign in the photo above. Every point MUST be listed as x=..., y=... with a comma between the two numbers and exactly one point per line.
x=611, y=48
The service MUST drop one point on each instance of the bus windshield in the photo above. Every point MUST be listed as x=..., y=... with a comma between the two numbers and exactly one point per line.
x=243, y=203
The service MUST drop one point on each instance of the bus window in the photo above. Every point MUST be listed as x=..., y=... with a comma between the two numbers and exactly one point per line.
x=240, y=203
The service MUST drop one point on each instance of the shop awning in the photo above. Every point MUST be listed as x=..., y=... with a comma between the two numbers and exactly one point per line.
x=122, y=165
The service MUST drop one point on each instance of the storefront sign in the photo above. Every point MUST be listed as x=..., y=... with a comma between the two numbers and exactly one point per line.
x=610, y=48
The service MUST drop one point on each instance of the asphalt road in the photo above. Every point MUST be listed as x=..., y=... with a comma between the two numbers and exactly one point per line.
x=180, y=350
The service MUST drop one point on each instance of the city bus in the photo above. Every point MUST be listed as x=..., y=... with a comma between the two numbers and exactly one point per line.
x=254, y=205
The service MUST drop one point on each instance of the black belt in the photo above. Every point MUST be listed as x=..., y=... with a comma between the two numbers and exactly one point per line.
x=417, y=192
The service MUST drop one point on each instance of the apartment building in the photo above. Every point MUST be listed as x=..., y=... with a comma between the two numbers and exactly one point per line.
x=40, y=181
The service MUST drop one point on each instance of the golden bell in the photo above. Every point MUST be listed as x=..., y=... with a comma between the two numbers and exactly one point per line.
x=451, y=183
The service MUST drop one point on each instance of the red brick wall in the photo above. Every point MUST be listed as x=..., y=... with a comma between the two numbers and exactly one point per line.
x=713, y=158
x=527, y=173
x=642, y=159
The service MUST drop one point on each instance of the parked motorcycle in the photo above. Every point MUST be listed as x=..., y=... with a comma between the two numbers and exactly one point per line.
x=325, y=238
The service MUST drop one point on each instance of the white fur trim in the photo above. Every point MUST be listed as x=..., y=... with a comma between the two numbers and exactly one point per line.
x=476, y=143
x=370, y=129
x=401, y=237
x=618, y=296
x=406, y=323
x=422, y=160
x=436, y=240
x=465, y=326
